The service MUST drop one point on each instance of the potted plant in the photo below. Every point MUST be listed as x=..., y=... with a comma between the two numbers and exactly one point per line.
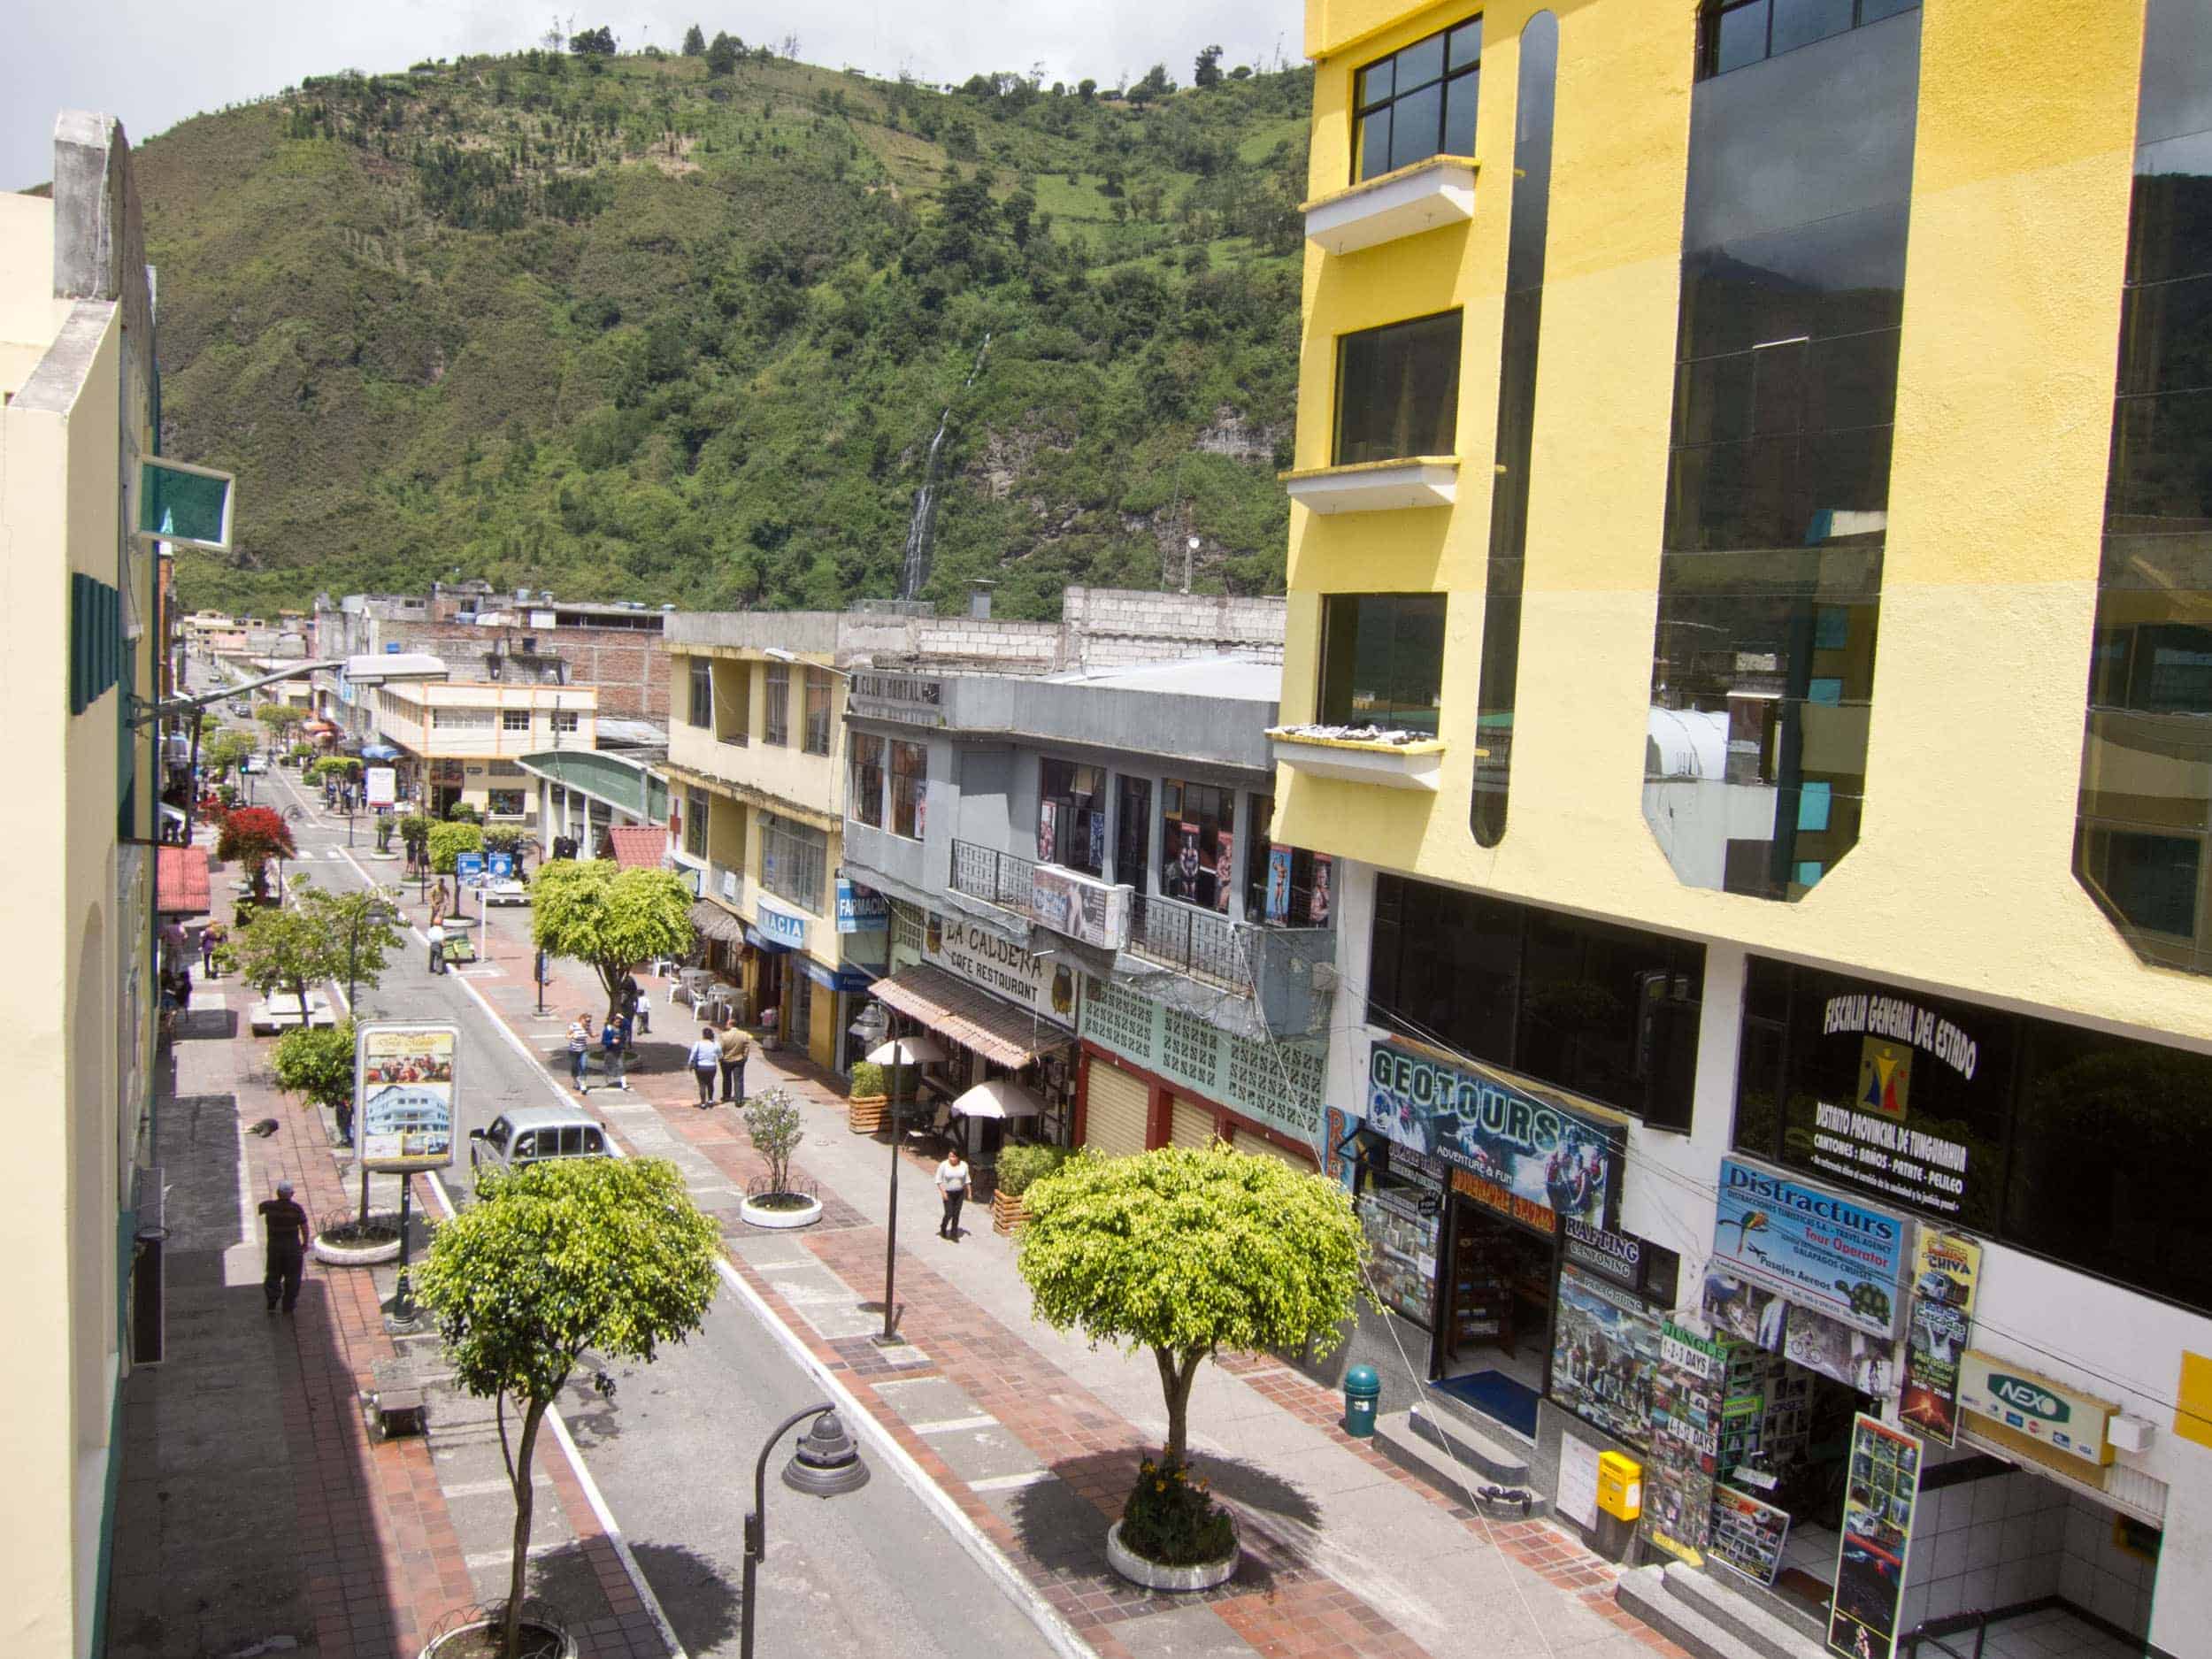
x=772, y=1124
x=1186, y=1251
x=1019, y=1168
x=865, y=1100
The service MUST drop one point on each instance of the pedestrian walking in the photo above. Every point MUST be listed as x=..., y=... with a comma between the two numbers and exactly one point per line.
x=285, y=1257
x=436, y=936
x=634, y=1013
x=736, y=1046
x=210, y=936
x=579, y=1052
x=952, y=1182
x=610, y=1038
x=706, y=1055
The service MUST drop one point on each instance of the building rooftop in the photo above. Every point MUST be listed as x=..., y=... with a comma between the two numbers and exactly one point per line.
x=1246, y=678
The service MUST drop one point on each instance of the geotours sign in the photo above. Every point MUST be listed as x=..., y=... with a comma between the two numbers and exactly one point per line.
x=1535, y=1155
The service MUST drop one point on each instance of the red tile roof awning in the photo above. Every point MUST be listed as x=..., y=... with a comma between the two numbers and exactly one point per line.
x=180, y=881
x=638, y=846
x=970, y=1016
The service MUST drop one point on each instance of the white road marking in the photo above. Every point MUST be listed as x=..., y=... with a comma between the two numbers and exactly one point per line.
x=949, y=1426
x=1007, y=1483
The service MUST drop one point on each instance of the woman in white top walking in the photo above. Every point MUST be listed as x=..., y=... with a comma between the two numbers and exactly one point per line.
x=952, y=1182
x=706, y=1055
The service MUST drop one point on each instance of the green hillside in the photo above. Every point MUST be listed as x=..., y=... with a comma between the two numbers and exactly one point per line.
x=680, y=328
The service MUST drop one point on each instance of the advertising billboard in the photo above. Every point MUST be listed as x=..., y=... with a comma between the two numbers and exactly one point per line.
x=1814, y=1248
x=1881, y=1489
x=403, y=1094
x=1947, y=1270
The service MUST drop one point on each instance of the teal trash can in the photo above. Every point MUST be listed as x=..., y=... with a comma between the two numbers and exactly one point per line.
x=1363, y=1389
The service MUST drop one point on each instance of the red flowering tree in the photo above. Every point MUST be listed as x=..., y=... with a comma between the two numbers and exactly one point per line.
x=254, y=835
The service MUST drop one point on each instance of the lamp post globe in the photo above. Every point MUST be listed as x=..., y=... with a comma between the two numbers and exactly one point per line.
x=826, y=1462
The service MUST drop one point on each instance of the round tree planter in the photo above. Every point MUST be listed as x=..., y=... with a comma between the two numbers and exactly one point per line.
x=804, y=1213
x=540, y=1641
x=1153, y=1575
x=347, y=1253
x=863, y=1113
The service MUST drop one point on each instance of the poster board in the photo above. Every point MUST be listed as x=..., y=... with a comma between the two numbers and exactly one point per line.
x=1947, y=1274
x=1578, y=1498
x=1687, y=1391
x=403, y=1081
x=383, y=786
x=1748, y=1535
x=1605, y=1347
x=1881, y=1491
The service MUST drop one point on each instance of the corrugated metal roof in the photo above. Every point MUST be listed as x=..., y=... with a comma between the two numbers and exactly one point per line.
x=969, y=1015
x=180, y=881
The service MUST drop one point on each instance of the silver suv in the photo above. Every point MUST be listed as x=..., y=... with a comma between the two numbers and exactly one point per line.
x=532, y=1134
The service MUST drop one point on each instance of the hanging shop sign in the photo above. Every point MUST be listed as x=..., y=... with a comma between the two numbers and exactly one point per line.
x=1915, y=1075
x=780, y=926
x=969, y=951
x=861, y=909
x=905, y=698
x=1946, y=1272
x=1881, y=1489
x=2027, y=1412
x=1747, y=1534
x=1605, y=1347
x=1688, y=1388
x=383, y=786
x=1527, y=1154
x=403, y=1094
x=1649, y=1270
x=1276, y=1084
x=1816, y=1249
x=1084, y=908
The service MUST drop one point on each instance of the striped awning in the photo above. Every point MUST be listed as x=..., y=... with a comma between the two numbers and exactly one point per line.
x=181, y=884
x=711, y=921
x=970, y=1016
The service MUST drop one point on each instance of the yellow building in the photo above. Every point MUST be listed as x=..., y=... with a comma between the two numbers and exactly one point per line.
x=1788, y=653
x=756, y=765
x=462, y=742
x=77, y=371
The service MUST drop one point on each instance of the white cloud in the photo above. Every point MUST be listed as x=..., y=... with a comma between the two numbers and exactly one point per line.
x=153, y=63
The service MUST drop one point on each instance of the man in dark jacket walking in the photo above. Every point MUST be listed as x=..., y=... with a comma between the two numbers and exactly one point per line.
x=286, y=1257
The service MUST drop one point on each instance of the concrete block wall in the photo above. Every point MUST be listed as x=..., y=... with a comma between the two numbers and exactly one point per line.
x=1114, y=627
x=2017, y=1537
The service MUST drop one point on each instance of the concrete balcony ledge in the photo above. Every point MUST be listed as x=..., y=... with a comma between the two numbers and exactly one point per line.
x=1426, y=195
x=1419, y=480
x=1415, y=763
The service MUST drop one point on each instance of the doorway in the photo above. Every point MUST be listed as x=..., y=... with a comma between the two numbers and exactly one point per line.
x=1495, y=1332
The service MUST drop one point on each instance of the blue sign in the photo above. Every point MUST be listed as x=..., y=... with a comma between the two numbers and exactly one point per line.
x=783, y=927
x=469, y=866
x=1532, y=1158
x=503, y=866
x=1813, y=1248
x=861, y=909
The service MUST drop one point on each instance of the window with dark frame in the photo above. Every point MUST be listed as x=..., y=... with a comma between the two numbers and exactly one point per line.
x=696, y=823
x=701, y=712
x=1072, y=816
x=1198, y=844
x=1397, y=391
x=1132, y=833
x=1293, y=906
x=1417, y=102
x=909, y=785
x=1605, y=1011
x=1736, y=33
x=564, y=720
x=1382, y=660
x=867, y=785
x=514, y=719
x=817, y=711
x=776, y=718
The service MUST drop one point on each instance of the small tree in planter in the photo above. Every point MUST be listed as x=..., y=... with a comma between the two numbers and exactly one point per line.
x=462, y=813
x=1020, y=1168
x=773, y=1124
x=414, y=834
x=591, y=911
x=1186, y=1251
x=254, y=835
x=318, y=1064
x=448, y=842
x=605, y=1256
x=865, y=1099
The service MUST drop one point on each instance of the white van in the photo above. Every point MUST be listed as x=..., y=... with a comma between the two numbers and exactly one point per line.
x=532, y=1134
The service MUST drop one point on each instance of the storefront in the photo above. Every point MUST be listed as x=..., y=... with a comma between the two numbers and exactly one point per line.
x=1155, y=1075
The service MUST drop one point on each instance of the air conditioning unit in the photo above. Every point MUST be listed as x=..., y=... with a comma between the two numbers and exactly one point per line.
x=1084, y=908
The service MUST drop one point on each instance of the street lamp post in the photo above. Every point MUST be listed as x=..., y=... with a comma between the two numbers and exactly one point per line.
x=899, y=1053
x=826, y=1464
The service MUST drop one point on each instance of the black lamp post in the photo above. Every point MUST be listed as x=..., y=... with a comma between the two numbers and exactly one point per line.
x=897, y=1054
x=825, y=1465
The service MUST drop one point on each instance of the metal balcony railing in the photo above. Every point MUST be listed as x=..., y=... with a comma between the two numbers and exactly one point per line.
x=996, y=877
x=1201, y=942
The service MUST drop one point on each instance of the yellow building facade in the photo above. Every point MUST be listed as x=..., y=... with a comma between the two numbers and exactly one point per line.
x=77, y=368
x=1721, y=549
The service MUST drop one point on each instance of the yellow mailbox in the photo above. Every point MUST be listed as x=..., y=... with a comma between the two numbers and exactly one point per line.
x=1620, y=1486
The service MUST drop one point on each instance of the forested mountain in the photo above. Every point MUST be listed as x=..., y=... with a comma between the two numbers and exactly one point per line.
x=682, y=328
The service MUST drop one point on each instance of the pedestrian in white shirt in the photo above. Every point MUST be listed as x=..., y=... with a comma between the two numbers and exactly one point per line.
x=706, y=1057
x=952, y=1183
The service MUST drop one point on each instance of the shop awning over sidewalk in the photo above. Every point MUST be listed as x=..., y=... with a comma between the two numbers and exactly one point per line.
x=713, y=922
x=638, y=846
x=970, y=1016
x=180, y=881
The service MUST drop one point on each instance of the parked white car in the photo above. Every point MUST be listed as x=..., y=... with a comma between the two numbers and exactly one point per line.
x=507, y=892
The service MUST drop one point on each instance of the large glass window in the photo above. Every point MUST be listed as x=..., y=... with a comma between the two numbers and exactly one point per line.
x=701, y=708
x=696, y=823
x=866, y=805
x=2080, y=1146
x=794, y=861
x=1279, y=880
x=2145, y=801
x=776, y=716
x=1072, y=816
x=1417, y=102
x=817, y=711
x=1382, y=660
x=1777, y=490
x=1199, y=843
x=1397, y=391
x=1132, y=834
x=1606, y=1011
x=910, y=787
x=1733, y=33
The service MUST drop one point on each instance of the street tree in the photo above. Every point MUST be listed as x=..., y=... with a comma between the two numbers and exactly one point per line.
x=695, y=41
x=253, y=835
x=364, y=927
x=604, y=1255
x=226, y=751
x=1185, y=1252
x=774, y=1125
x=344, y=768
x=593, y=911
x=448, y=842
x=317, y=1065
x=414, y=834
x=288, y=948
x=280, y=717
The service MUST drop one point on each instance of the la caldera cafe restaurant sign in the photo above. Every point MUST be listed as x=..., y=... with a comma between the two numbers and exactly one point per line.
x=1526, y=1157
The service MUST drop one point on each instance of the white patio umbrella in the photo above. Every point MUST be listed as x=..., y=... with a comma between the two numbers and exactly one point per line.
x=908, y=1051
x=1001, y=1097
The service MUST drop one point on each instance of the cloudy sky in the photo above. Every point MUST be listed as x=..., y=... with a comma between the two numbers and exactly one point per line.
x=152, y=62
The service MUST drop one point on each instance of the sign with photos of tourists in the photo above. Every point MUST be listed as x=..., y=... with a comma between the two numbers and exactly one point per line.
x=1881, y=1489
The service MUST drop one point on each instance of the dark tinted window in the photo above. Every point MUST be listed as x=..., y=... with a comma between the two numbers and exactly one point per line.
x=1418, y=103
x=1382, y=657
x=1132, y=834
x=1606, y=1011
x=1398, y=390
x=1734, y=34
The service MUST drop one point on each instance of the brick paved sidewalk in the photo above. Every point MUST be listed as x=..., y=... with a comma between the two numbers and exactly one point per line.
x=1015, y=1422
x=255, y=1506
